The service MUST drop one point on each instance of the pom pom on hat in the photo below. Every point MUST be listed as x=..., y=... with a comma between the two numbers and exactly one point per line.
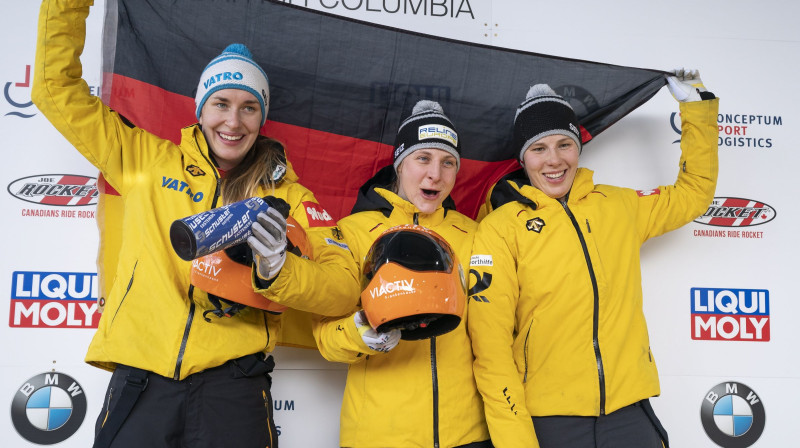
x=427, y=105
x=544, y=113
x=234, y=69
x=426, y=127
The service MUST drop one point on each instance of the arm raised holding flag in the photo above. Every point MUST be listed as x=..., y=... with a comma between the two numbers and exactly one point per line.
x=152, y=334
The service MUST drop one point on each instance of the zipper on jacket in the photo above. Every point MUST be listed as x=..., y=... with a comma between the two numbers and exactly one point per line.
x=435, y=382
x=416, y=218
x=185, y=337
x=190, y=317
x=127, y=290
x=525, y=351
x=596, y=310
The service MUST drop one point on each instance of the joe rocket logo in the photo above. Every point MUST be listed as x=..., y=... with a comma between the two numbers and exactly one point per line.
x=56, y=189
x=732, y=415
x=730, y=314
x=737, y=212
x=23, y=108
x=53, y=300
x=48, y=408
x=739, y=130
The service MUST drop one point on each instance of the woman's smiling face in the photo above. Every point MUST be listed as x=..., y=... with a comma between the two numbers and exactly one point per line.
x=551, y=163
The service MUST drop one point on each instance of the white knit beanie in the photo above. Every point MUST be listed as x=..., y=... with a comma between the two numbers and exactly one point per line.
x=234, y=69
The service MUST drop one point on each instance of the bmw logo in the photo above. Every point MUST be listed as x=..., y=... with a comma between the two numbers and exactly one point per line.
x=48, y=408
x=732, y=415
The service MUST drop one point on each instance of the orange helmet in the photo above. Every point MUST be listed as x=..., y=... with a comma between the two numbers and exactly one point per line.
x=415, y=283
x=227, y=274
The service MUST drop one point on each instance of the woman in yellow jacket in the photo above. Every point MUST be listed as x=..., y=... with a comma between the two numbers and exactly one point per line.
x=179, y=379
x=404, y=393
x=559, y=336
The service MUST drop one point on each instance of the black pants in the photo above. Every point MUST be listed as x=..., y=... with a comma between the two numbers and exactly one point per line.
x=634, y=426
x=229, y=405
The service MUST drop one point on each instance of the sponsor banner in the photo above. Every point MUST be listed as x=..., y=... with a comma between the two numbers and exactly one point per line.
x=735, y=213
x=730, y=314
x=53, y=300
x=64, y=190
x=733, y=415
x=48, y=408
x=740, y=130
x=443, y=9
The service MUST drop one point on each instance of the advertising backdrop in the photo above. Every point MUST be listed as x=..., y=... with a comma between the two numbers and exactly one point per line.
x=719, y=292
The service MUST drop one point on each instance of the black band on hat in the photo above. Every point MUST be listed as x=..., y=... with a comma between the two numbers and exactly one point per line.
x=544, y=113
x=427, y=127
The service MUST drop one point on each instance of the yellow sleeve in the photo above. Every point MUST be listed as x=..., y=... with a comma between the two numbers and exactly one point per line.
x=672, y=206
x=328, y=284
x=98, y=133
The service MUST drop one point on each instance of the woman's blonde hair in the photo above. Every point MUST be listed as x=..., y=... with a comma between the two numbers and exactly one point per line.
x=258, y=168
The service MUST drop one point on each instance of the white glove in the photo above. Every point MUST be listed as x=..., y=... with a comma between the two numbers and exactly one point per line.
x=268, y=242
x=686, y=85
x=380, y=342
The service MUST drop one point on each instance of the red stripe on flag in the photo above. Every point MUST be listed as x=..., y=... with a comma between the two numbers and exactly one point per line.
x=332, y=166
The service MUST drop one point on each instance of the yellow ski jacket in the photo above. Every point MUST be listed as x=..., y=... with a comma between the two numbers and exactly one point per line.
x=556, y=319
x=153, y=315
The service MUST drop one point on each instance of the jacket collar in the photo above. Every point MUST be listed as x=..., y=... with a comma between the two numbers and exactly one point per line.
x=195, y=133
x=514, y=187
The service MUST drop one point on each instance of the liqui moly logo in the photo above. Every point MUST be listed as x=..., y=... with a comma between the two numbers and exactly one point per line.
x=54, y=300
x=388, y=288
x=730, y=314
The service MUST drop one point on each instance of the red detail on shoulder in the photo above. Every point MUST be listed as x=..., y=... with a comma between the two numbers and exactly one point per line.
x=317, y=216
x=648, y=192
x=105, y=187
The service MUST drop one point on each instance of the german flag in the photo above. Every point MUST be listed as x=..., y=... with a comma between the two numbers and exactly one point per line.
x=341, y=87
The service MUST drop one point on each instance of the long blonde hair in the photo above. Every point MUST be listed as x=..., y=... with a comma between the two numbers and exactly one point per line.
x=258, y=168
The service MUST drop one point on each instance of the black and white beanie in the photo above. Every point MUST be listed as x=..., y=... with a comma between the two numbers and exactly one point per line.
x=234, y=69
x=427, y=127
x=544, y=113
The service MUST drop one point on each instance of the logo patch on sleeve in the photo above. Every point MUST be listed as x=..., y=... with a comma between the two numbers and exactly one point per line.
x=317, y=216
x=336, y=243
x=481, y=260
x=648, y=192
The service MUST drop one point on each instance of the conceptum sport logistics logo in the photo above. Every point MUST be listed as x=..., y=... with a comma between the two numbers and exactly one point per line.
x=739, y=130
x=736, y=212
x=730, y=314
x=65, y=190
x=23, y=107
x=732, y=415
x=48, y=408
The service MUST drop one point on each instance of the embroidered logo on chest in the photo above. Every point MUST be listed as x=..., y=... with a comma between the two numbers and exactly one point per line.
x=535, y=225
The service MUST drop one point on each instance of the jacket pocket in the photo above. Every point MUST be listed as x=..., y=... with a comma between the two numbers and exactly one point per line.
x=127, y=290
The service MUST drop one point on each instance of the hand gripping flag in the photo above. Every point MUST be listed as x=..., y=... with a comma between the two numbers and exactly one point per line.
x=341, y=87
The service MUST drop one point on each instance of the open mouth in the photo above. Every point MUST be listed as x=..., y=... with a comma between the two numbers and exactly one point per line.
x=429, y=194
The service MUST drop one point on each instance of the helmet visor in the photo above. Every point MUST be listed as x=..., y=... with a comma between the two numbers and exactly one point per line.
x=412, y=247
